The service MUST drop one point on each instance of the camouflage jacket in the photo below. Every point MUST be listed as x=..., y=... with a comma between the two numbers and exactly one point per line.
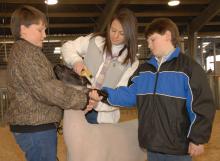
x=35, y=96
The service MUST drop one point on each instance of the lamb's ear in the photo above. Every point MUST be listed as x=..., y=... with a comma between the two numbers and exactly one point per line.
x=57, y=69
x=84, y=81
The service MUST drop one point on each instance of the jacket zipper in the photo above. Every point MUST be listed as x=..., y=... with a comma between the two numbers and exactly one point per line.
x=155, y=87
x=154, y=93
x=158, y=70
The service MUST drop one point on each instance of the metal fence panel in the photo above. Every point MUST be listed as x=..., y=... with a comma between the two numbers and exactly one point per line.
x=3, y=104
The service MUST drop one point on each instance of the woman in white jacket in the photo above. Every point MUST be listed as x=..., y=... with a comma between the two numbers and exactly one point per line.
x=111, y=58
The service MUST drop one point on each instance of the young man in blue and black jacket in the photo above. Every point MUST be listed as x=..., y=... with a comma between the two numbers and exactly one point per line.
x=173, y=97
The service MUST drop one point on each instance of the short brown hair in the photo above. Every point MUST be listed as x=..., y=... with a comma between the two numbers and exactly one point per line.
x=160, y=26
x=25, y=15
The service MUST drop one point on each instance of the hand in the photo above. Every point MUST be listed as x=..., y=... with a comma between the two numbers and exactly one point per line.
x=195, y=150
x=95, y=96
x=91, y=104
x=78, y=67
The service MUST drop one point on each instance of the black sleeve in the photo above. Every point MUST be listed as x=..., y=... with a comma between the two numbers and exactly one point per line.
x=202, y=106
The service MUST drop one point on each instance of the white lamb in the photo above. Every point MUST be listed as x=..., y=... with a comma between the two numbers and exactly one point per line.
x=100, y=142
x=96, y=142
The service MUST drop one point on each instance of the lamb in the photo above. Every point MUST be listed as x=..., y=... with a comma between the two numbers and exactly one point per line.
x=98, y=142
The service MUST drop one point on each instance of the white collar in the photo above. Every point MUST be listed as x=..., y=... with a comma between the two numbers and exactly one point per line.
x=116, y=49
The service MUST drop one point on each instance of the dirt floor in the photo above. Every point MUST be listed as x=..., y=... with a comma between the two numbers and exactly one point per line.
x=9, y=150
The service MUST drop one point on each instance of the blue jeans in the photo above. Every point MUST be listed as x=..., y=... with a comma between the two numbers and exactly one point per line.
x=152, y=156
x=38, y=146
x=91, y=117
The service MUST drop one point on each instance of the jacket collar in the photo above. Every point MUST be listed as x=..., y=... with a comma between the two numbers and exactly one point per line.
x=123, y=55
x=21, y=39
x=153, y=61
x=120, y=58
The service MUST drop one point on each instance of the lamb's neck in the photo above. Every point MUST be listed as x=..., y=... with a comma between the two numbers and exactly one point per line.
x=78, y=115
x=76, y=118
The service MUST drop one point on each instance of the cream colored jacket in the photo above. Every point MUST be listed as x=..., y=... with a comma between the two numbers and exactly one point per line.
x=90, y=51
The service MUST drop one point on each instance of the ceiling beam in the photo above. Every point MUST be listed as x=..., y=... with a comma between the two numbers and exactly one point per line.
x=137, y=14
x=72, y=25
x=147, y=23
x=58, y=14
x=163, y=2
x=103, y=1
x=217, y=23
x=75, y=14
x=83, y=25
x=69, y=25
x=88, y=25
x=109, y=10
x=198, y=22
x=60, y=1
x=166, y=14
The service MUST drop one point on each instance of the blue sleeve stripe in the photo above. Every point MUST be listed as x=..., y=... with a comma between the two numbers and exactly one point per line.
x=143, y=94
x=192, y=114
x=117, y=105
x=170, y=96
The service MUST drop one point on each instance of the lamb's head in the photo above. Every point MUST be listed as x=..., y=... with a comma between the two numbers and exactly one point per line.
x=68, y=76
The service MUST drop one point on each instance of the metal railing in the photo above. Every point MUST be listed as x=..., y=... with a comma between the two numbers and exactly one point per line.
x=3, y=104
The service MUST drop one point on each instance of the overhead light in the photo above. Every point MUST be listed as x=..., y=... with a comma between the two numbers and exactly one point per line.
x=51, y=2
x=173, y=2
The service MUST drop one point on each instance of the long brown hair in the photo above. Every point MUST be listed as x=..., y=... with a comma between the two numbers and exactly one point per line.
x=129, y=23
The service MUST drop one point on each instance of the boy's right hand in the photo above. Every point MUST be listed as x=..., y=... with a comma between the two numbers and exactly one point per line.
x=78, y=67
x=93, y=94
x=94, y=98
